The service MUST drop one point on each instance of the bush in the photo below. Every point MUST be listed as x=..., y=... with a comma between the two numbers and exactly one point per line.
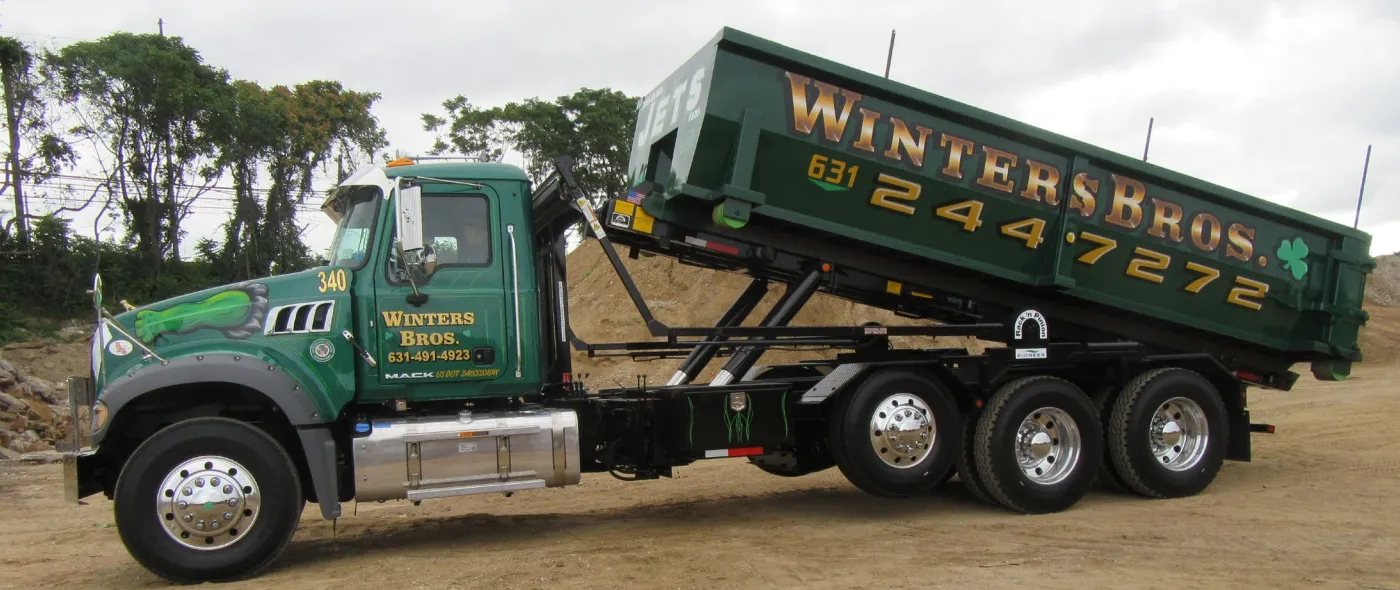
x=51, y=276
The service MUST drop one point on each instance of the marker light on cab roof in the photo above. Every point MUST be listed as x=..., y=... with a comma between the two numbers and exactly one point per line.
x=400, y=162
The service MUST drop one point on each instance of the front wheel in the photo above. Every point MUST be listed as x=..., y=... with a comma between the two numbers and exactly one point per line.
x=1039, y=445
x=207, y=499
x=896, y=434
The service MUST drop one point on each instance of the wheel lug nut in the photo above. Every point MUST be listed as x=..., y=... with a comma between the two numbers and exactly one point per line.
x=233, y=501
x=189, y=517
x=199, y=525
x=228, y=489
x=214, y=481
x=214, y=524
x=199, y=483
x=183, y=504
x=188, y=491
x=228, y=516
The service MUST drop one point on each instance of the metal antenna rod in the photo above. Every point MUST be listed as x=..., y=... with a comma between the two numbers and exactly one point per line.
x=890, y=56
x=1364, y=168
x=1149, y=139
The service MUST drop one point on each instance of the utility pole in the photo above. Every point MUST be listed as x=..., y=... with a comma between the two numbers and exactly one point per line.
x=1149, y=139
x=890, y=56
x=160, y=23
x=1364, y=168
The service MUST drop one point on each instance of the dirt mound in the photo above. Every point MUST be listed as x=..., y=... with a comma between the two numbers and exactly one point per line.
x=33, y=411
x=1380, y=337
x=1383, y=284
x=680, y=295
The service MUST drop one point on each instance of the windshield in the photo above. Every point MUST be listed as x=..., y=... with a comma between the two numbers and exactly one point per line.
x=355, y=208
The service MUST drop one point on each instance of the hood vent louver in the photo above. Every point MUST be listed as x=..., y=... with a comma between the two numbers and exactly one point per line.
x=300, y=318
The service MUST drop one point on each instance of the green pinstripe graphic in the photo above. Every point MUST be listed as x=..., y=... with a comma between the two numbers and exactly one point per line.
x=740, y=421
x=690, y=433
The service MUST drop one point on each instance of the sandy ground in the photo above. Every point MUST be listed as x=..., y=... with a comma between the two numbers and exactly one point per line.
x=1317, y=508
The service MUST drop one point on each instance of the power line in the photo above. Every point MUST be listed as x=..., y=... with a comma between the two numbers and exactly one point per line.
x=41, y=35
x=218, y=198
x=99, y=179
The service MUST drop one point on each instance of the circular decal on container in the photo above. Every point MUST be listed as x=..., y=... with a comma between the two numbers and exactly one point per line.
x=119, y=348
x=322, y=350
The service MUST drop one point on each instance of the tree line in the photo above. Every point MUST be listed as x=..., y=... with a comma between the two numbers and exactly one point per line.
x=155, y=133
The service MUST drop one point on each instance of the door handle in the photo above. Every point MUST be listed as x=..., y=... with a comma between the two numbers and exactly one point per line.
x=363, y=353
x=515, y=290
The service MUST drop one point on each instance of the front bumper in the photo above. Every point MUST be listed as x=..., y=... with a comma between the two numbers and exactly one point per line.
x=80, y=477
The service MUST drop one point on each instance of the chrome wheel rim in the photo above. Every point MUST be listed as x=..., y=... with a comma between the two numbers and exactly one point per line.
x=902, y=431
x=1179, y=434
x=1048, y=446
x=208, y=503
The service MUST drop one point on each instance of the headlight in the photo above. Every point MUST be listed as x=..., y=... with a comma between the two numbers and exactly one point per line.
x=99, y=416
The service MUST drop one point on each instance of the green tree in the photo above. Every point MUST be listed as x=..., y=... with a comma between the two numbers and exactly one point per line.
x=291, y=132
x=594, y=126
x=151, y=102
x=37, y=149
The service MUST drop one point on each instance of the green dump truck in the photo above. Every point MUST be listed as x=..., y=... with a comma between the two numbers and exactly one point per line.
x=1131, y=308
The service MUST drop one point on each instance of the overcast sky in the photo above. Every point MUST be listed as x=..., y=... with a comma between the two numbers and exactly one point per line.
x=1278, y=99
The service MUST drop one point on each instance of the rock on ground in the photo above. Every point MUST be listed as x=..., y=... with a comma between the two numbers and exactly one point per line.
x=33, y=414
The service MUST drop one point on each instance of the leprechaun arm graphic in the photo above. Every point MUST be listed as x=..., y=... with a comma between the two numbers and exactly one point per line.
x=236, y=312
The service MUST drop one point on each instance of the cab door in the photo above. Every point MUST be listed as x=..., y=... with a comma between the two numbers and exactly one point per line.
x=452, y=344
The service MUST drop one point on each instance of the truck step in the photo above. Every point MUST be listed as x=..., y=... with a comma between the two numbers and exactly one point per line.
x=484, y=488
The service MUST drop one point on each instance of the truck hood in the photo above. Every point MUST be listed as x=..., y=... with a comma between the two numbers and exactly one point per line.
x=206, y=319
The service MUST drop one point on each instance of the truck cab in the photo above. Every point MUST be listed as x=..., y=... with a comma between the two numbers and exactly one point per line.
x=427, y=300
x=448, y=317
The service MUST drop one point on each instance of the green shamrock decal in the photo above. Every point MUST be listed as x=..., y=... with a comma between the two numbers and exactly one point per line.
x=1292, y=255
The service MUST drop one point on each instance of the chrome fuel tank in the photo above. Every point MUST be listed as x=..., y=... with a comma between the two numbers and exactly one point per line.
x=423, y=457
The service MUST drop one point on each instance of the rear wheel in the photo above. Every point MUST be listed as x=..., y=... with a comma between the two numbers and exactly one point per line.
x=967, y=464
x=896, y=434
x=1167, y=433
x=1039, y=445
x=207, y=499
x=1103, y=399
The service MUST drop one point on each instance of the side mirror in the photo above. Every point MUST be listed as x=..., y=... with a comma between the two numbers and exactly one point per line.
x=409, y=221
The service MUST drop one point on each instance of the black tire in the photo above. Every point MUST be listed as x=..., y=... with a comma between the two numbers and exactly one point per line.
x=966, y=465
x=854, y=451
x=277, y=512
x=1129, y=432
x=996, y=444
x=1103, y=399
x=797, y=469
x=812, y=454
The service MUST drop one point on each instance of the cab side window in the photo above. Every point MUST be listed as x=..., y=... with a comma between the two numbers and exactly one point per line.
x=456, y=233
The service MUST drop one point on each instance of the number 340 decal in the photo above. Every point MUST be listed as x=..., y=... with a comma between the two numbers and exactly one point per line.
x=332, y=281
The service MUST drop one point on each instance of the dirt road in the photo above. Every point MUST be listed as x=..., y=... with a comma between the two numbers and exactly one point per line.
x=1319, y=507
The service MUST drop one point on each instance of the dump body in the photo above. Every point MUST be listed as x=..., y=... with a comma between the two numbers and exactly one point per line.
x=757, y=139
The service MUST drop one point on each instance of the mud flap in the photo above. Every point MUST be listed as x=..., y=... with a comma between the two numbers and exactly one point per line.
x=320, y=463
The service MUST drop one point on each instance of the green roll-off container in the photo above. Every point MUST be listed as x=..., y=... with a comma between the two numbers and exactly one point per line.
x=767, y=144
